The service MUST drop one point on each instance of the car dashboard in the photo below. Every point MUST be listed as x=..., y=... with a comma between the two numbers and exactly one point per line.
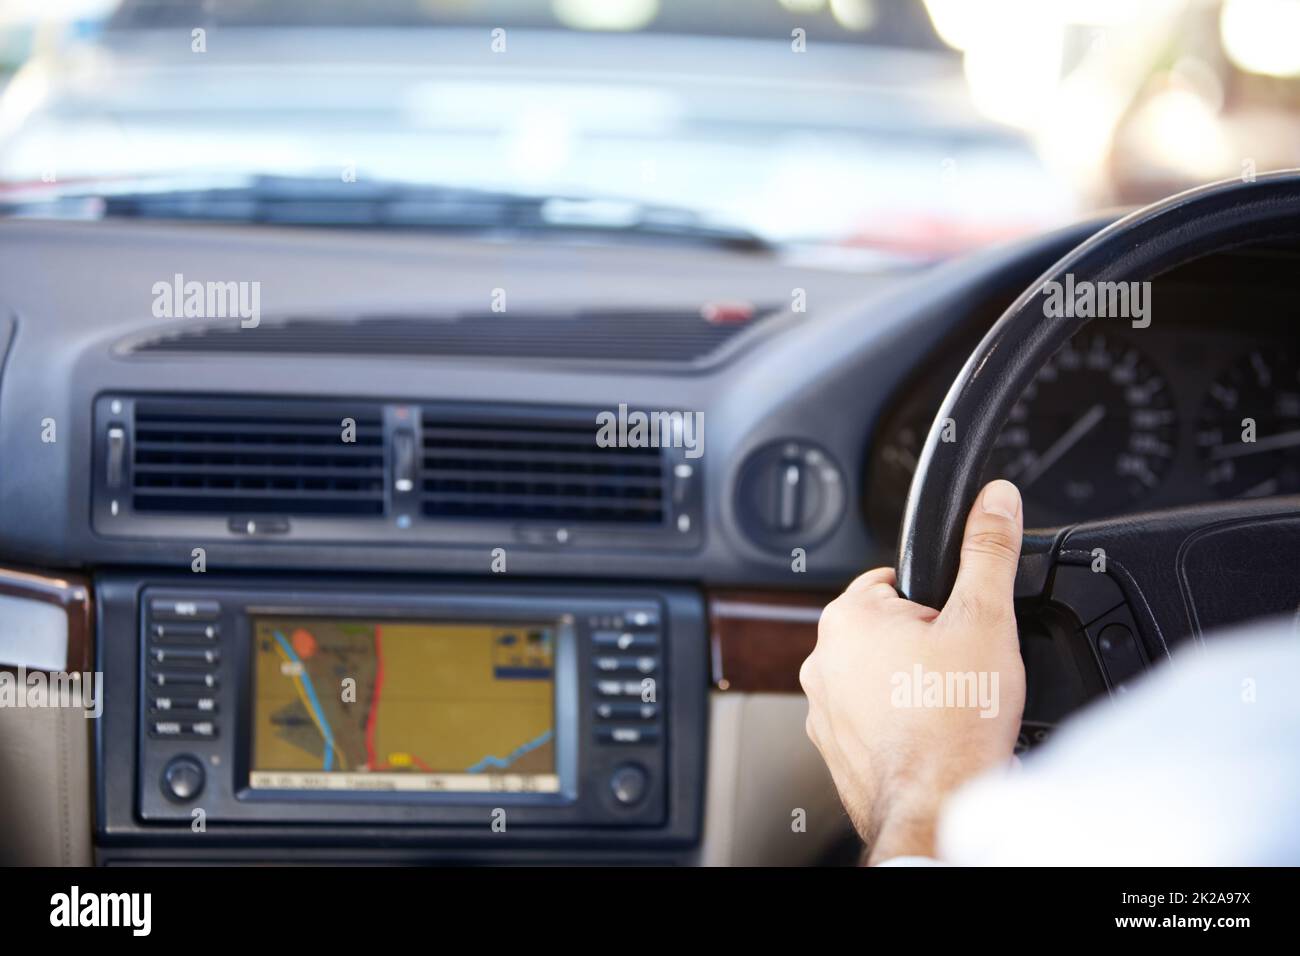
x=405, y=444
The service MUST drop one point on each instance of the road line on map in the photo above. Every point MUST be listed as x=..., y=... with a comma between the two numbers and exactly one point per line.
x=307, y=694
x=372, y=717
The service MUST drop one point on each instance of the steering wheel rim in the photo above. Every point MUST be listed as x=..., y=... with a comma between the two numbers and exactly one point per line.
x=1136, y=248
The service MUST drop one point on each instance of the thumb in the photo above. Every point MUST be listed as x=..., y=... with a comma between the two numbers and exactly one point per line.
x=990, y=554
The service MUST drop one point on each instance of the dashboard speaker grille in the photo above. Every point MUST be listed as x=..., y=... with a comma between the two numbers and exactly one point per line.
x=284, y=458
x=554, y=471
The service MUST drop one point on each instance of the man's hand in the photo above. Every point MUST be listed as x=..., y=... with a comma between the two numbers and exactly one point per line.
x=905, y=702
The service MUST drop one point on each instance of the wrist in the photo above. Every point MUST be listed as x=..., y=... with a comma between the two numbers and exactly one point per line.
x=906, y=829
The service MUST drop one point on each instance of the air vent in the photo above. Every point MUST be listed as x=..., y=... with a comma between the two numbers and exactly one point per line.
x=675, y=337
x=452, y=474
x=551, y=472
x=239, y=458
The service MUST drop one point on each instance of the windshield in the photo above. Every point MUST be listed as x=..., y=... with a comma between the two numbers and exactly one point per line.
x=917, y=128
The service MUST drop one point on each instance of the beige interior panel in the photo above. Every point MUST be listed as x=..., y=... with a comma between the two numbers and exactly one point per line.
x=762, y=768
x=45, y=786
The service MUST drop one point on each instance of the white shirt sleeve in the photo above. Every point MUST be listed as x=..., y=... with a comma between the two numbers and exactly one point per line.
x=1198, y=764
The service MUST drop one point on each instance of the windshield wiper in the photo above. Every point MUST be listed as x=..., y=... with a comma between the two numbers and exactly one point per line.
x=305, y=201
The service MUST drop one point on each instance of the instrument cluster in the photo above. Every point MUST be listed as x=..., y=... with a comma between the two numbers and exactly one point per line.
x=1122, y=420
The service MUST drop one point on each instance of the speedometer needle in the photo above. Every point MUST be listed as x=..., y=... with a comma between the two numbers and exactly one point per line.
x=1063, y=444
x=1272, y=443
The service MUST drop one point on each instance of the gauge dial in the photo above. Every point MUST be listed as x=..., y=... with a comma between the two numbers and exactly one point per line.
x=1092, y=434
x=1248, y=434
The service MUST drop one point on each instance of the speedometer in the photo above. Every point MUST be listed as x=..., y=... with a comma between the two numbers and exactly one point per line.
x=1093, y=433
x=1249, y=430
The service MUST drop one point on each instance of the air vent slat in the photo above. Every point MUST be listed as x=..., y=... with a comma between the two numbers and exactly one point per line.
x=552, y=501
x=610, y=458
x=247, y=492
x=218, y=456
x=274, y=471
x=674, y=337
x=446, y=476
x=548, y=471
x=183, y=445
x=242, y=505
x=539, y=435
x=294, y=431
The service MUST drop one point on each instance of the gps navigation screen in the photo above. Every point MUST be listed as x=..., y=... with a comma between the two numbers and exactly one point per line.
x=355, y=704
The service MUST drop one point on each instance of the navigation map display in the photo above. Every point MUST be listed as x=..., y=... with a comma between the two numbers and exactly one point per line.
x=372, y=705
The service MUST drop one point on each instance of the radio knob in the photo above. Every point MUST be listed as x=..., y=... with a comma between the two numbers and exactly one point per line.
x=182, y=779
x=628, y=784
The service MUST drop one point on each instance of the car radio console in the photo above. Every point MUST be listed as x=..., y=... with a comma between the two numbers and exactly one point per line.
x=413, y=705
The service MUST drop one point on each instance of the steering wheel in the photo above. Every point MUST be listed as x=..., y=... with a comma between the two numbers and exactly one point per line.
x=1136, y=585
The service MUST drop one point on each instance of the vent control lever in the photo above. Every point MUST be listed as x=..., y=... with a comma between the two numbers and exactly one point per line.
x=116, y=455
x=403, y=460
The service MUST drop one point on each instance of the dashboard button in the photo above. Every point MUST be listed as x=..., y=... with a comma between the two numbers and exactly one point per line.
x=625, y=641
x=255, y=527
x=183, y=779
x=1119, y=653
x=618, y=688
x=169, y=609
x=171, y=705
x=175, y=727
x=626, y=710
x=185, y=655
x=183, y=679
x=186, y=633
x=629, y=665
x=627, y=735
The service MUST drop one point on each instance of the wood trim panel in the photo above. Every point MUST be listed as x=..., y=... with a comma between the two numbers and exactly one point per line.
x=759, y=639
x=67, y=591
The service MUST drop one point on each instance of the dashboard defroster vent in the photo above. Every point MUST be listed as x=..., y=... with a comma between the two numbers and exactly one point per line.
x=665, y=337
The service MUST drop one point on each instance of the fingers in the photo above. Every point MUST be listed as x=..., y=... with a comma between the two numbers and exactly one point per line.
x=990, y=554
x=878, y=582
x=872, y=588
x=878, y=588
